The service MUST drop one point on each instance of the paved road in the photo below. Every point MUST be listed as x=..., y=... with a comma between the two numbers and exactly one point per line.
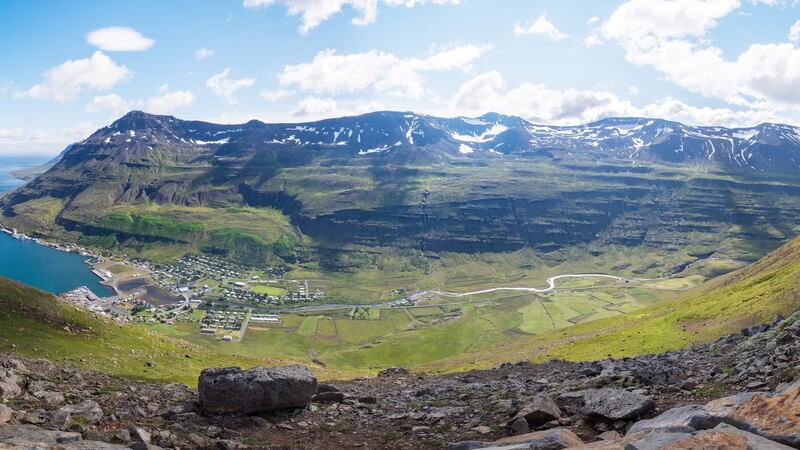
x=551, y=285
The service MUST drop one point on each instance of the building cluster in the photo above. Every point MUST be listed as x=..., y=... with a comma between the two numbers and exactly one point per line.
x=222, y=320
x=110, y=307
x=269, y=319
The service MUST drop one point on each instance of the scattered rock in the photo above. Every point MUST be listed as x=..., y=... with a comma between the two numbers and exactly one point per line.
x=609, y=403
x=9, y=390
x=610, y=435
x=323, y=387
x=33, y=437
x=328, y=397
x=519, y=426
x=232, y=390
x=540, y=410
x=86, y=412
x=555, y=438
x=482, y=429
x=140, y=435
x=50, y=397
x=6, y=414
x=683, y=419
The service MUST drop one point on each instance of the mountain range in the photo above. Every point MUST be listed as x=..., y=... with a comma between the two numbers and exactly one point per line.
x=766, y=147
x=401, y=180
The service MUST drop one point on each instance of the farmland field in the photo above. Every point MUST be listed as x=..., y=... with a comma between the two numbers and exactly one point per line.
x=370, y=338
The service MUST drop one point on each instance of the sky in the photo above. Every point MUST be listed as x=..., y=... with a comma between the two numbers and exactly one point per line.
x=70, y=67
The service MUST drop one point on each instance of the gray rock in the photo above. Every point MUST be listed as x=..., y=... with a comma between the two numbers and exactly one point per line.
x=683, y=419
x=556, y=438
x=466, y=445
x=140, y=435
x=609, y=436
x=519, y=426
x=655, y=440
x=610, y=403
x=9, y=390
x=540, y=410
x=52, y=398
x=754, y=442
x=144, y=446
x=87, y=412
x=31, y=436
x=232, y=390
x=328, y=397
x=6, y=414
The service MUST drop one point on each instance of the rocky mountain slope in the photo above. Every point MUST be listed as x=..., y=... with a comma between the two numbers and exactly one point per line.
x=661, y=401
x=401, y=180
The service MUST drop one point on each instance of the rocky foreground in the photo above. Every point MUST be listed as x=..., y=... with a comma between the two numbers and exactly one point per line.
x=742, y=391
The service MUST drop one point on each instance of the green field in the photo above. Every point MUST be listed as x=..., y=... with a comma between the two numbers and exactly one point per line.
x=373, y=338
x=269, y=290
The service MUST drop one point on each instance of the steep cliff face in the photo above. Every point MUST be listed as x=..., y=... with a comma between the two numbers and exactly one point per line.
x=489, y=184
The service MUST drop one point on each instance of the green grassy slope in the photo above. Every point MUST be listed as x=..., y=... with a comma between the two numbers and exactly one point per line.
x=36, y=324
x=747, y=297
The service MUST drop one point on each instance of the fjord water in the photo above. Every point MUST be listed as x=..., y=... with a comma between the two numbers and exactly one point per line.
x=36, y=265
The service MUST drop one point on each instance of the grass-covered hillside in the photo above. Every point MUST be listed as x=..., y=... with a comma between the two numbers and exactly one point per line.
x=471, y=336
x=746, y=297
x=36, y=324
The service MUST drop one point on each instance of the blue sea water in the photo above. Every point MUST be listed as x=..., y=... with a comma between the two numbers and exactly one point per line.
x=36, y=265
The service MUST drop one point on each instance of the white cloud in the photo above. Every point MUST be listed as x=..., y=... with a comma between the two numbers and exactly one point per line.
x=224, y=87
x=540, y=27
x=592, y=41
x=540, y=103
x=11, y=133
x=275, y=95
x=314, y=106
x=592, y=20
x=203, y=53
x=678, y=111
x=19, y=141
x=119, y=39
x=110, y=102
x=169, y=101
x=633, y=90
x=642, y=19
x=314, y=12
x=537, y=102
x=386, y=73
x=65, y=82
x=671, y=37
x=794, y=33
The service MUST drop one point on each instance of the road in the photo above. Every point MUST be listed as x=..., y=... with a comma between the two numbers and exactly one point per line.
x=551, y=285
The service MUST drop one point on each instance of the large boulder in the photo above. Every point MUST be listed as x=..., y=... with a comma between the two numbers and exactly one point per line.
x=540, y=410
x=775, y=417
x=721, y=437
x=84, y=413
x=33, y=437
x=233, y=390
x=610, y=403
x=683, y=419
x=553, y=439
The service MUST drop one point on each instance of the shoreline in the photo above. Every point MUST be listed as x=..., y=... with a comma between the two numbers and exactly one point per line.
x=65, y=248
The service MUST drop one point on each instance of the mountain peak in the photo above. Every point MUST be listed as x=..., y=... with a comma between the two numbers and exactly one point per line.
x=137, y=120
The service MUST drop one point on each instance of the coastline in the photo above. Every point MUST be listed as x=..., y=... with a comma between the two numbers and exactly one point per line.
x=91, y=259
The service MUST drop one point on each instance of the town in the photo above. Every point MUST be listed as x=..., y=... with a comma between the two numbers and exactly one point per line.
x=221, y=297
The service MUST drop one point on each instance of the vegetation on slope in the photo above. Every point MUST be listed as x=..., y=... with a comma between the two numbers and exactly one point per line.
x=36, y=324
x=744, y=298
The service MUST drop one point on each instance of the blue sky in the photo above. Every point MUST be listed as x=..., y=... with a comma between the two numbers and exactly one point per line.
x=71, y=67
